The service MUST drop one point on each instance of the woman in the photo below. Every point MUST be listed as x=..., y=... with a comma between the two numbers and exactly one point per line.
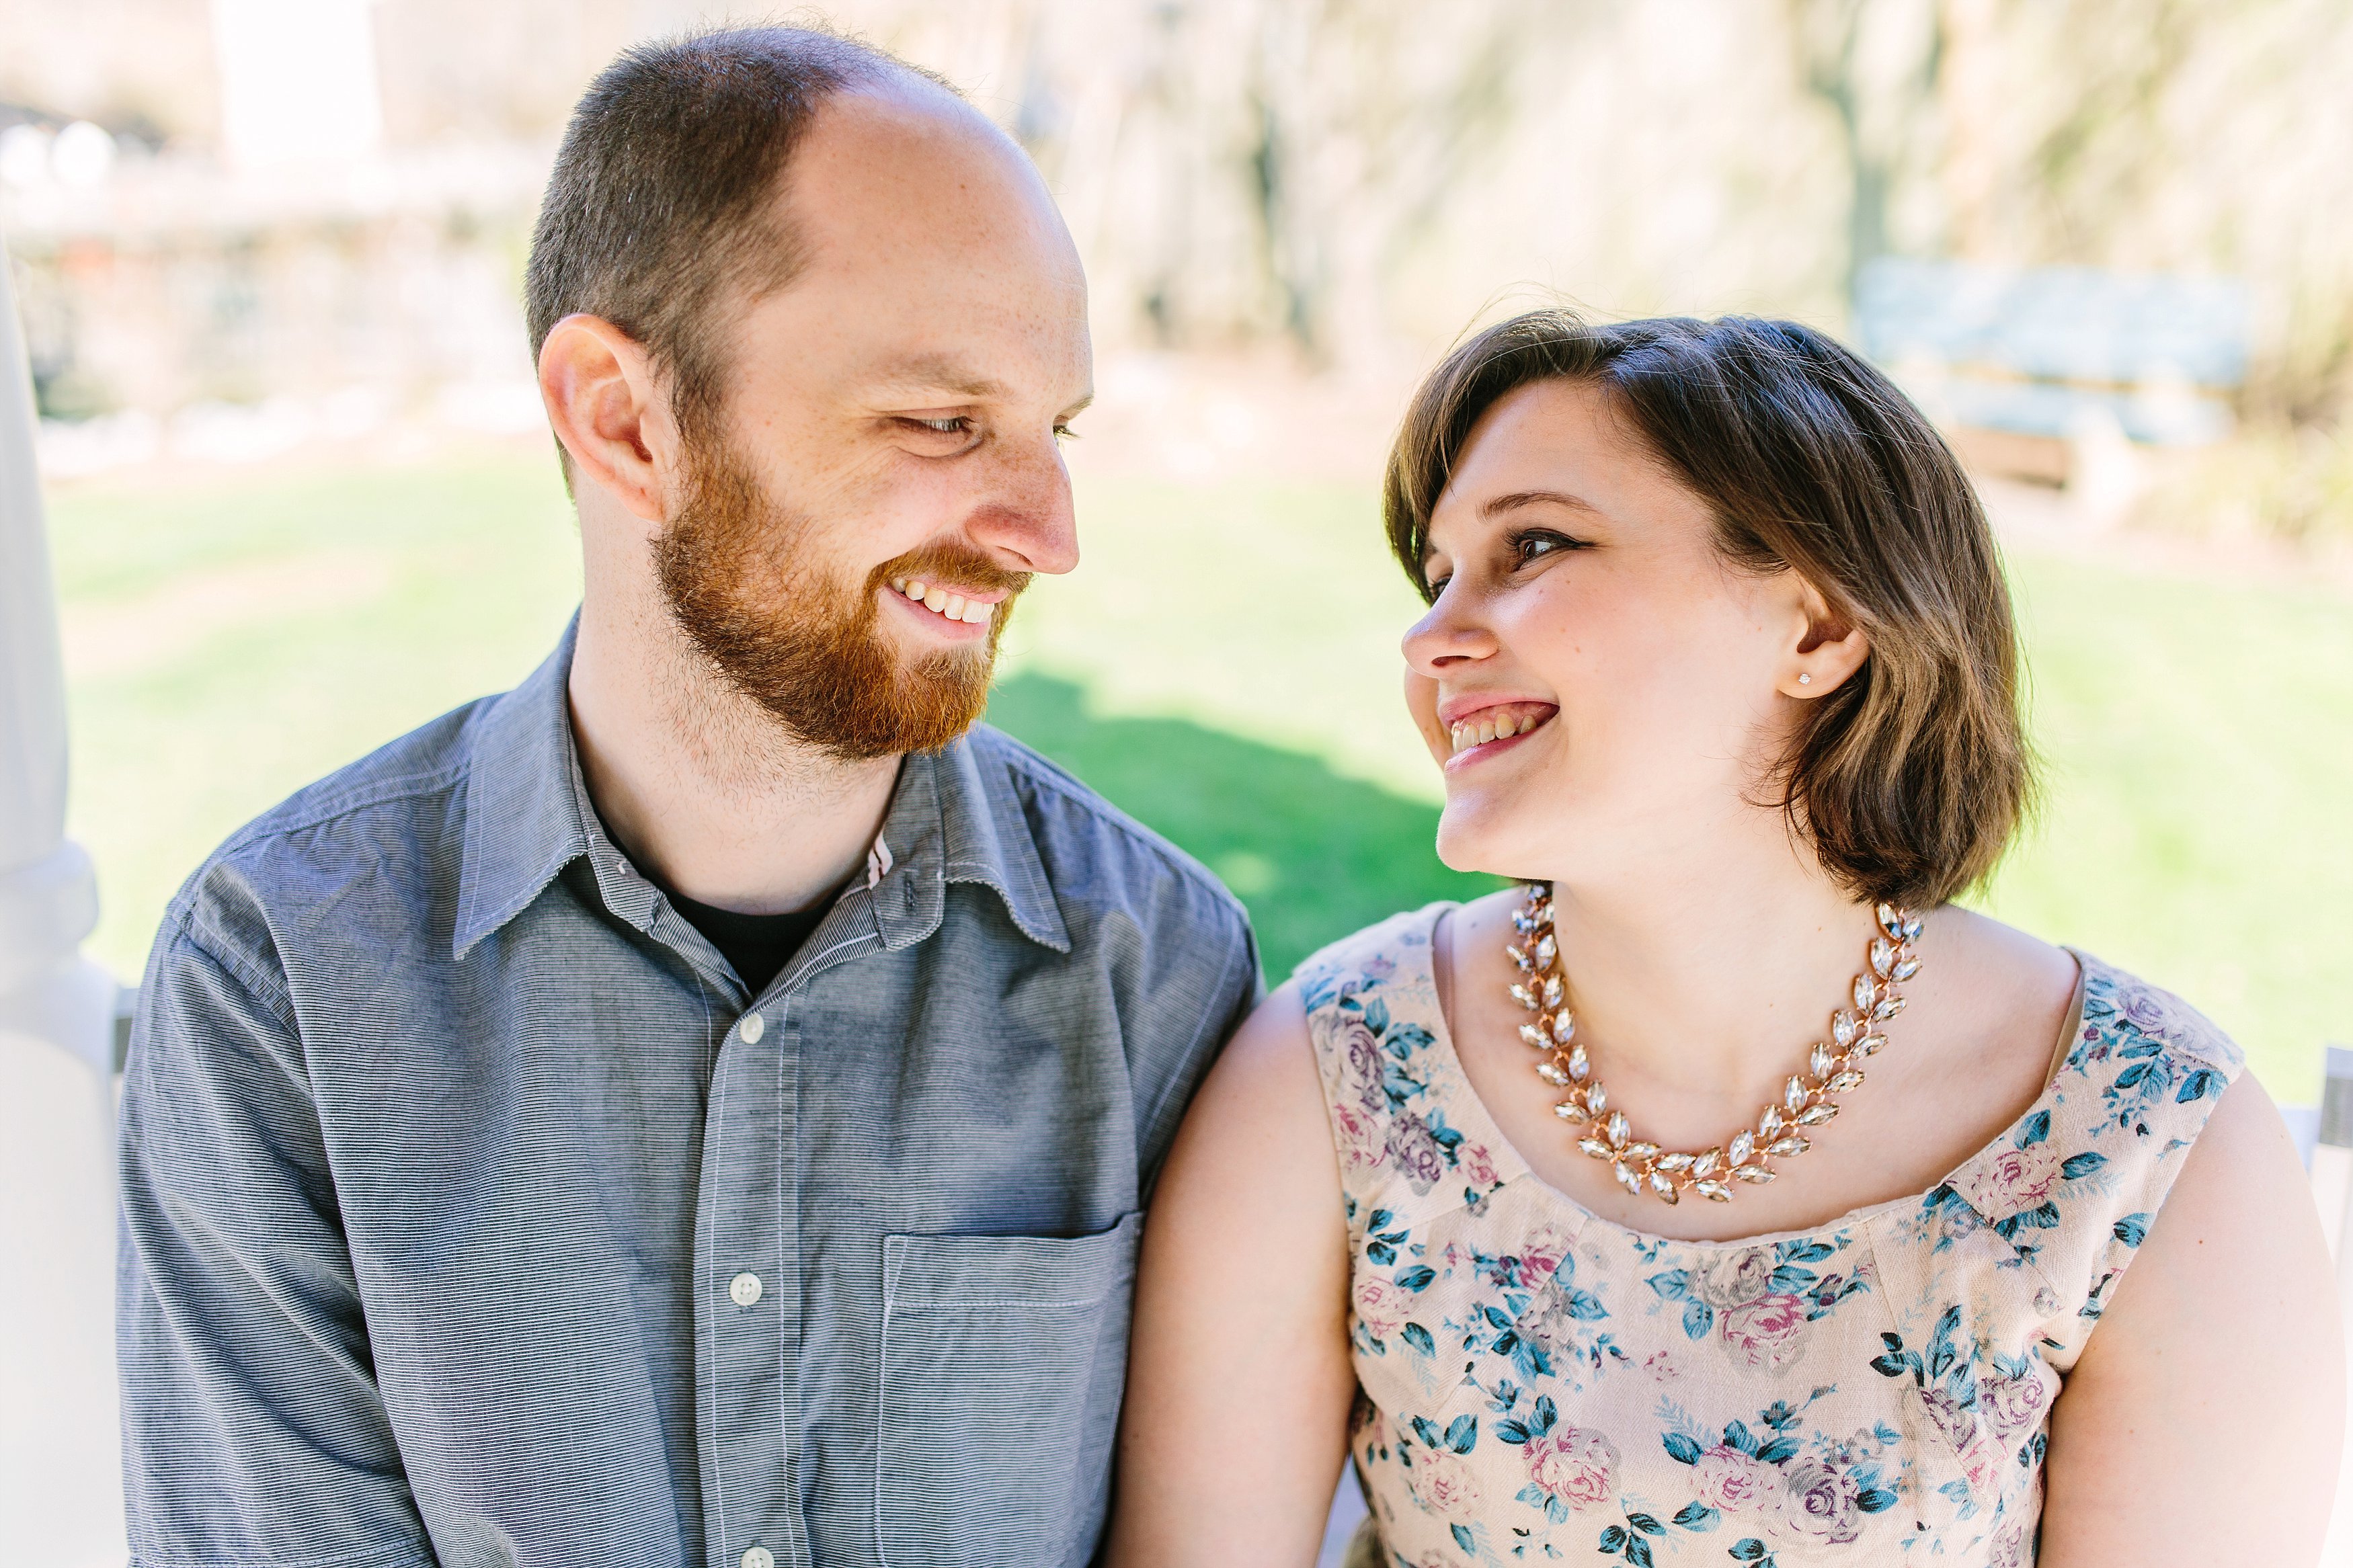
x=1725, y=1194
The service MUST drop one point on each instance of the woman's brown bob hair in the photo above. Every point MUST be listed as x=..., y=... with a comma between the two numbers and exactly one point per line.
x=1912, y=777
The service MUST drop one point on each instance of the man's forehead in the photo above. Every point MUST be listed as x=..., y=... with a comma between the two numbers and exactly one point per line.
x=940, y=372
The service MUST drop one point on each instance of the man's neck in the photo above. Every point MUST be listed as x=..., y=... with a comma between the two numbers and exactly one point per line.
x=701, y=787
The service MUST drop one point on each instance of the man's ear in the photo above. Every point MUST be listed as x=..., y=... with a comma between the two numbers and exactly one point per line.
x=1828, y=649
x=602, y=399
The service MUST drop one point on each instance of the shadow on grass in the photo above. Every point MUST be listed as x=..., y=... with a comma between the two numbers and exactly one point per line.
x=1312, y=854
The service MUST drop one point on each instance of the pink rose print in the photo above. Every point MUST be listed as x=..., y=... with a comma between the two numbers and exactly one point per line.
x=1478, y=1166
x=2013, y=1403
x=1446, y=1484
x=2015, y=1181
x=1732, y=1482
x=1736, y=1278
x=1820, y=1501
x=1355, y=1044
x=1381, y=1306
x=1577, y=1466
x=1361, y=1140
x=1981, y=1462
x=1767, y=1333
x=1541, y=1253
x=2007, y=1548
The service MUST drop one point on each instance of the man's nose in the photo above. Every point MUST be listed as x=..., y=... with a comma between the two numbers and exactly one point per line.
x=1027, y=519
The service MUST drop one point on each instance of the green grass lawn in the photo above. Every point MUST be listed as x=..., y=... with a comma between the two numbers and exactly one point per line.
x=1224, y=666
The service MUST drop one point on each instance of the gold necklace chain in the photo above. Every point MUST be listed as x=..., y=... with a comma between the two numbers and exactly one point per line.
x=1832, y=1066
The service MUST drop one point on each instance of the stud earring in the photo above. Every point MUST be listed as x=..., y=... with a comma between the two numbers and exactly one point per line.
x=1805, y=680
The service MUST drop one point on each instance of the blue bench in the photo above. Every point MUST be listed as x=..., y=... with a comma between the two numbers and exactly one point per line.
x=2040, y=352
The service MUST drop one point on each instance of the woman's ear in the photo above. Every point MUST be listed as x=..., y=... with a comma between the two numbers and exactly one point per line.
x=599, y=388
x=1828, y=651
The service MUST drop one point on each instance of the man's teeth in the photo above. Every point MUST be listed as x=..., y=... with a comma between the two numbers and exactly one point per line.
x=1495, y=724
x=938, y=600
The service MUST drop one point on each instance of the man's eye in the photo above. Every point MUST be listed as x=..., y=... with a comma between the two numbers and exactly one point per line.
x=954, y=425
x=1064, y=433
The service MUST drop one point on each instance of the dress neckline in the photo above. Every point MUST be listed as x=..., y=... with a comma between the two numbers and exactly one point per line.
x=1513, y=1165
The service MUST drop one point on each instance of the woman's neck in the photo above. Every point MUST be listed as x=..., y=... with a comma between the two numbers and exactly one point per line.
x=1705, y=980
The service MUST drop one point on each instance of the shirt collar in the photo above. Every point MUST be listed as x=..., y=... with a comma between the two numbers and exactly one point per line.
x=954, y=816
x=957, y=817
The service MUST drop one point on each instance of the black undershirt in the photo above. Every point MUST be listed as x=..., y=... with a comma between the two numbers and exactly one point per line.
x=758, y=947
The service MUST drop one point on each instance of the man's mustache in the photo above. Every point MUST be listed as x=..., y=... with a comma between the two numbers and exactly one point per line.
x=951, y=563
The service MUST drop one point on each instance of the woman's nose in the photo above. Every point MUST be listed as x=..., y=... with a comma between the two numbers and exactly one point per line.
x=1446, y=637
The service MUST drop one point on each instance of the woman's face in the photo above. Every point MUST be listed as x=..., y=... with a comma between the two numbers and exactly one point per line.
x=1604, y=691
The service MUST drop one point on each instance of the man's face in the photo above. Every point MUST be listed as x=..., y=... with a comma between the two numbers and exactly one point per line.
x=891, y=427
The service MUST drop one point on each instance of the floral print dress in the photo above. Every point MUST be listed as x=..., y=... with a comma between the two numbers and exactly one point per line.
x=1540, y=1384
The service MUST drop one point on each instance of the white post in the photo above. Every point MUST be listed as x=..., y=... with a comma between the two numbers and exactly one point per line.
x=60, y=1487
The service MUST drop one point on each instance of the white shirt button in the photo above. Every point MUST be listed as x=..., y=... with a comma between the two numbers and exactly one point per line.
x=751, y=1027
x=759, y=1557
x=744, y=1289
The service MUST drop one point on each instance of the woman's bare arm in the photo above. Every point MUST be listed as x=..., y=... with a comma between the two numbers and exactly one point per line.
x=2203, y=1421
x=1238, y=1384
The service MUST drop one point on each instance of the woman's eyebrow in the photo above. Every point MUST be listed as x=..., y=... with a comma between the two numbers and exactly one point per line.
x=1497, y=505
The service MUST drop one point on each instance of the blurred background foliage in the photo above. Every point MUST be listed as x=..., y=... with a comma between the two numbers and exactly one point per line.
x=267, y=252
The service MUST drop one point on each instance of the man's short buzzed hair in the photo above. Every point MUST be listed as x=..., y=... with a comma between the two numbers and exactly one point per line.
x=659, y=215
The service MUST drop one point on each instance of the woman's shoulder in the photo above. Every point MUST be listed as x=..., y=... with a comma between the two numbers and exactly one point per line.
x=1388, y=956
x=2076, y=1183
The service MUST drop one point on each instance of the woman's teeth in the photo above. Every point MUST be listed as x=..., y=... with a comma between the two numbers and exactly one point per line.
x=1496, y=724
x=938, y=600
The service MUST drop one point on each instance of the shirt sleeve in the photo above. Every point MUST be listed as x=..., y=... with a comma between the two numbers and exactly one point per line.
x=253, y=1431
x=1213, y=994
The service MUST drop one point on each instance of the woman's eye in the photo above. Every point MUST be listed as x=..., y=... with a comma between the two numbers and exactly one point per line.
x=1530, y=547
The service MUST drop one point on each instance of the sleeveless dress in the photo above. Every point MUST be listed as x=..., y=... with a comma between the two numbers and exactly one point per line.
x=1537, y=1383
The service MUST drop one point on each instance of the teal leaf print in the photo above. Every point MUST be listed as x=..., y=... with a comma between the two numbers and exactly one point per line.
x=1462, y=1537
x=1419, y=1338
x=1673, y=1286
x=2199, y=1084
x=1735, y=1435
x=1747, y=1549
x=1531, y=1494
x=2082, y=1166
x=1779, y=1451
x=1696, y=1516
x=1698, y=1318
x=1646, y=1524
x=2043, y=1218
x=1804, y=1251
x=1376, y=1016
x=1427, y=1430
x=1874, y=1499
x=1463, y=1434
x=1638, y=1552
x=1586, y=1307
x=1614, y=1539
x=1540, y=1421
x=1418, y=1279
x=2037, y=1128
x=1683, y=1450
x=2132, y=1229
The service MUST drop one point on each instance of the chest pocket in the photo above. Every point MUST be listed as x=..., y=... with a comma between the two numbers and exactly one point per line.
x=1003, y=1360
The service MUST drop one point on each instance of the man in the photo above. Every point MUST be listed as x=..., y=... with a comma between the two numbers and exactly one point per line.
x=695, y=1109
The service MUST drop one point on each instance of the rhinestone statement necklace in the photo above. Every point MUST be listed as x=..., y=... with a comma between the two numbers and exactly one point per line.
x=1833, y=1066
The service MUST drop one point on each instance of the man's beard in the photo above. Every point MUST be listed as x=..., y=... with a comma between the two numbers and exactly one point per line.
x=802, y=643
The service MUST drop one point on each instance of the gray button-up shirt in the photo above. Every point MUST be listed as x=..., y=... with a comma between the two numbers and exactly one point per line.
x=474, y=1213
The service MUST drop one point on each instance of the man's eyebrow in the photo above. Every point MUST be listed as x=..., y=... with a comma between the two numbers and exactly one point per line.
x=938, y=371
x=1496, y=506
